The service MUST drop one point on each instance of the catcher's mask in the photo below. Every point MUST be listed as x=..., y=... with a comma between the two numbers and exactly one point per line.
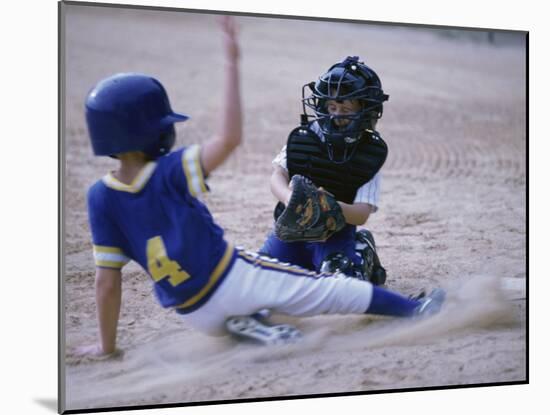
x=130, y=112
x=346, y=80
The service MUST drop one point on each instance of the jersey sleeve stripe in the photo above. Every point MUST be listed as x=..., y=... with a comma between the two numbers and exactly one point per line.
x=108, y=249
x=198, y=168
x=193, y=170
x=188, y=176
x=216, y=274
x=112, y=257
x=109, y=264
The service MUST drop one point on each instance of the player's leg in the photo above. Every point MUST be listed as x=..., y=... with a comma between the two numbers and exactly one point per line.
x=296, y=253
x=292, y=290
x=256, y=283
x=258, y=325
x=351, y=252
x=337, y=254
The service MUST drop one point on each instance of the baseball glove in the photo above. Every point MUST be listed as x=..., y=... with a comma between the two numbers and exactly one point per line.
x=311, y=214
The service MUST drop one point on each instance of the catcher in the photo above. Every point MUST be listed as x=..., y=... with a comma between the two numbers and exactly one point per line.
x=339, y=151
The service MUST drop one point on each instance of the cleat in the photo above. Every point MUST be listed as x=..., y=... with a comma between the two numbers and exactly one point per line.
x=257, y=330
x=262, y=315
x=430, y=304
x=418, y=296
x=371, y=270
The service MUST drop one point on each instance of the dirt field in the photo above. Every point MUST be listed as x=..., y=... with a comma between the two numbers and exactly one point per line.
x=452, y=210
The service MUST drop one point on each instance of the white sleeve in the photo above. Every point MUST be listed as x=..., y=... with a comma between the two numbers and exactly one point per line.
x=369, y=192
x=280, y=159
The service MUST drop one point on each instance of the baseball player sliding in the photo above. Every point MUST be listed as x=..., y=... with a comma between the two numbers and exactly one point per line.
x=147, y=211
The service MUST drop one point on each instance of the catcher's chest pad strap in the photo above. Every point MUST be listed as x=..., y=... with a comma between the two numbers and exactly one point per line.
x=307, y=155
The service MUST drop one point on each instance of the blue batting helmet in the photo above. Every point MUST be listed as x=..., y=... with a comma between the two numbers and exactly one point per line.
x=130, y=112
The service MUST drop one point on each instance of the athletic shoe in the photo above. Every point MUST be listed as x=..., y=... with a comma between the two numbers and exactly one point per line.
x=258, y=330
x=430, y=304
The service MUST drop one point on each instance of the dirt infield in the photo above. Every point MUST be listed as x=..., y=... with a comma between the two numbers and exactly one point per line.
x=452, y=209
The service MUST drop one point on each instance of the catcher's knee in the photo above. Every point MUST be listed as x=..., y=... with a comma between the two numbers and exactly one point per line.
x=337, y=262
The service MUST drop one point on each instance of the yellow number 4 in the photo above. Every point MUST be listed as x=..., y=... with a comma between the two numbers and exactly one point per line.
x=160, y=266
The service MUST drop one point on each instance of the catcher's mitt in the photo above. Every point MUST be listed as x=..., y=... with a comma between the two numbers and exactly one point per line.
x=311, y=214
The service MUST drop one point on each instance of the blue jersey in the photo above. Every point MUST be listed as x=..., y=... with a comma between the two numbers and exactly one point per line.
x=158, y=222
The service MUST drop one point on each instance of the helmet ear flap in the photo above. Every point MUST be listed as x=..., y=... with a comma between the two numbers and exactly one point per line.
x=163, y=144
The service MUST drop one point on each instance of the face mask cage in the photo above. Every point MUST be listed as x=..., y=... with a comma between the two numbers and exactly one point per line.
x=349, y=80
x=351, y=125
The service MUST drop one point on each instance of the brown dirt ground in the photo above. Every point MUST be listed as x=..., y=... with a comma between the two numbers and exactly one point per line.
x=452, y=210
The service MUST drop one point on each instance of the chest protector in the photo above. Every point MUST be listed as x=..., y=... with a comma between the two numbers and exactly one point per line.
x=308, y=156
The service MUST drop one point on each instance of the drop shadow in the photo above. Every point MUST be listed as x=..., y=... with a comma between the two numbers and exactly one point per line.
x=48, y=403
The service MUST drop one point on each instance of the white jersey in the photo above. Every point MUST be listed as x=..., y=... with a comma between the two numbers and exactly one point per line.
x=368, y=193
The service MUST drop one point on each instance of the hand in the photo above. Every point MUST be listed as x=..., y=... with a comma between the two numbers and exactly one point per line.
x=231, y=45
x=94, y=351
x=310, y=215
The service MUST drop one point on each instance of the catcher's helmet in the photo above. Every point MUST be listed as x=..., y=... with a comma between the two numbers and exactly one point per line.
x=346, y=80
x=130, y=112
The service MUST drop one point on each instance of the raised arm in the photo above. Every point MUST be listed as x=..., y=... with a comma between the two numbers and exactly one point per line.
x=217, y=149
